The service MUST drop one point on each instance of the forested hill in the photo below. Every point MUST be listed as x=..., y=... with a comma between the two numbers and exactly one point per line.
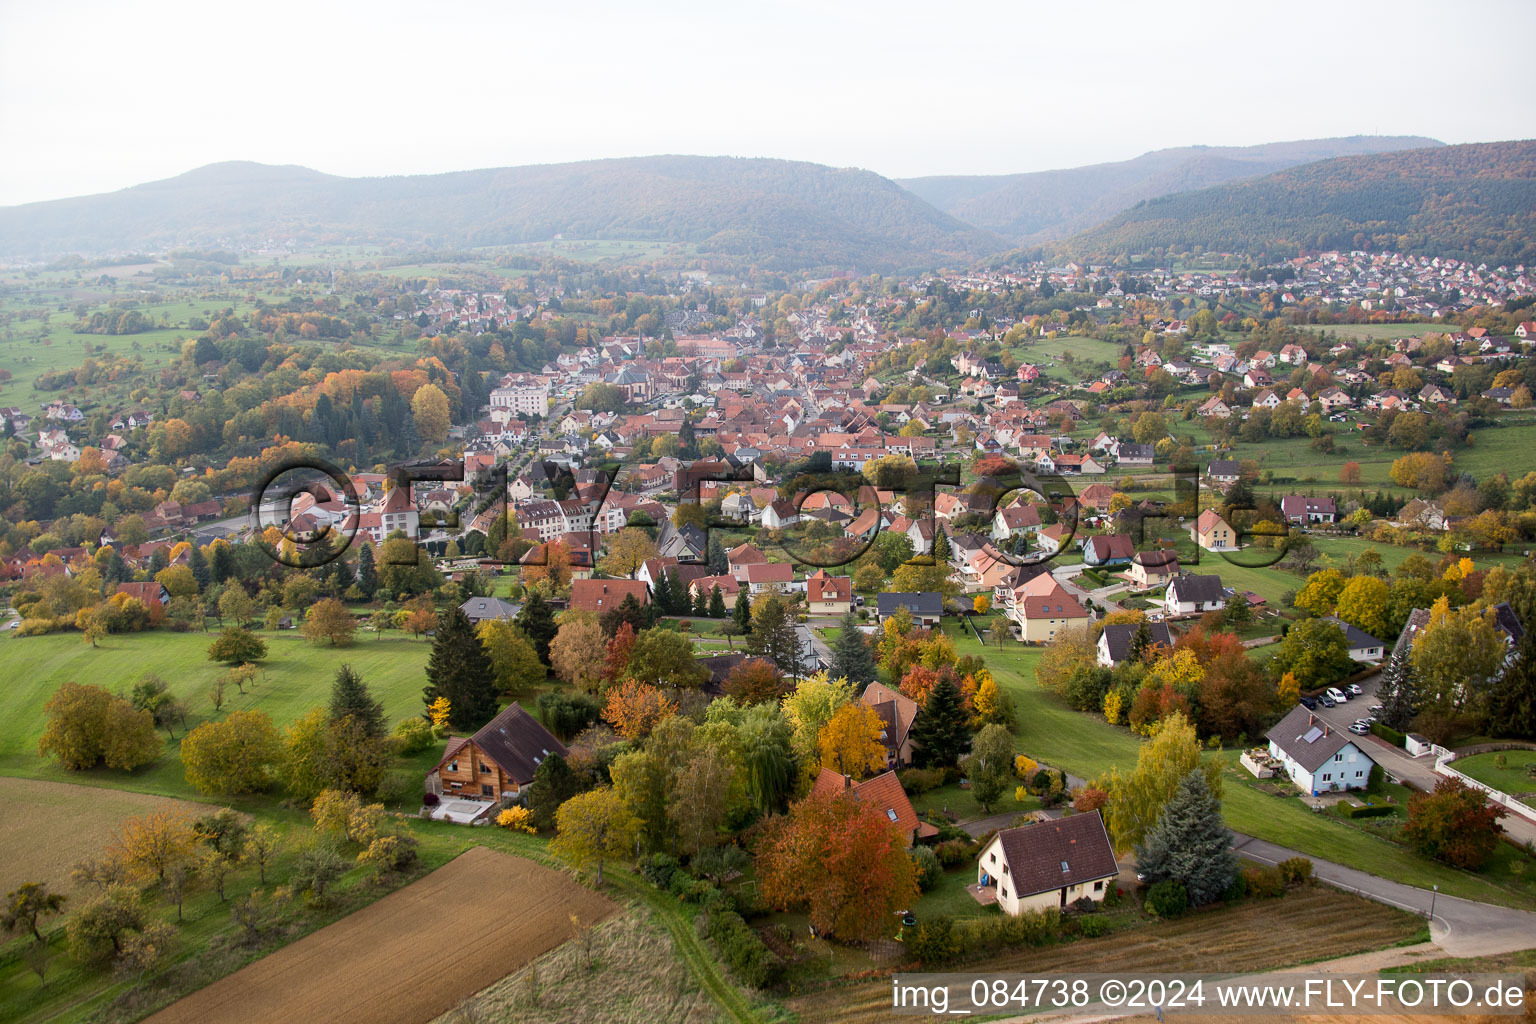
x=1473, y=202
x=778, y=213
x=1048, y=205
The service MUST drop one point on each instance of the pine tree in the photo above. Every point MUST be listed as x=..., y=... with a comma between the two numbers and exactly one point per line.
x=350, y=696
x=367, y=572
x=460, y=670
x=742, y=612
x=851, y=656
x=341, y=575
x=1396, y=689
x=719, y=565
x=1512, y=697
x=716, y=602
x=677, y=593
x=941, y=735
x=537, y=621
x=198, y=563
x=627, y=610
x=700, y=604
x=941, y=548
x=1190, y=844
x=1141, y=640
x=221, y=563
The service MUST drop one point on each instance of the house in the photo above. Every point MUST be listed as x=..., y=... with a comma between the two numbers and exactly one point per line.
x=926, y=608
x=1424, y=514
x=775, y=576
x=828, y=595
x=1130, y=454
x=1048, y=865
x=1211, y=532
x=495, y=764
x=742, y=555
x=1190, y=595
x=779, y=514
x=1043, y=609
x=1214, y=406
x=1223, y=471
x=1109, y=549
x=1362, y=646
x=897, y=712
x=1154, y=568
x=483, y=609
x=1302, y=510
x=151, y=595
x=597, y=596
x=884, y=792
x=1318, y=757
x=1015, y=521
x=1115, y=642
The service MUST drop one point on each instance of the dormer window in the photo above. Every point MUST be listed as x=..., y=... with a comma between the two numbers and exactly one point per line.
x=890, y=812
x=1064, y=867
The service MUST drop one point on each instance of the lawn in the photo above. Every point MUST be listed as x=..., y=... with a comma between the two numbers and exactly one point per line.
x=295, y=677
x=1085, y=745
x=1517, y=776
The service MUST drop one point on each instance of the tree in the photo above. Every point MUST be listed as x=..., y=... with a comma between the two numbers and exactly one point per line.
x=1316, y=652
x=850, y=743
x=231, y=756
x=700, y=799
x=26, y=905
x=87, y=726
x=1455, y=824
x=1235, y=696
x=941, y=735
x=236, y=605
x=635, y=708
x=1455, y=657
x=1365, y=602
x=429, y=409
x=150, y=844
x=236, y=646
x=716, y=606
x=552, y=568
x=1511, y=709
x=1136, y=800
x=328, y=619
x=572, y=653
x=1189, y=844
x=536, y=620
x=99, y=930
x=851, y=656
x=367, y=571
x=628, y=550
x=774, y=636
x=595, y=826
x=626, y=613
x=553, y=784
x=460, y=670
x=741, y=613
x=755, y=681
x=1349, y=473
x=513, y=659
x=664, y=657
x=261, y=848
x=350, y=698
x=811, y=706
x=842, y=862
x=990, y=765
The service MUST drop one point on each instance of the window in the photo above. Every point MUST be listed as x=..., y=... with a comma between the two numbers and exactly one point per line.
x=1005, y=869
x=1005, y=892
x=453, y=766
x=1098, y=886
x=992, y=859
x=1325, y=776
x=487, y=791
x=1339, y=756
x=890, y=812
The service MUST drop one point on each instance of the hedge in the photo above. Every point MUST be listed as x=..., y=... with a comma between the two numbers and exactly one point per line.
x=1389, y=734
x=742, y=948
x=1368, y=810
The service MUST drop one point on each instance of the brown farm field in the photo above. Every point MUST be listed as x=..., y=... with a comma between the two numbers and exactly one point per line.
x=410, y=956
x=48, y=827
x=1309, y=924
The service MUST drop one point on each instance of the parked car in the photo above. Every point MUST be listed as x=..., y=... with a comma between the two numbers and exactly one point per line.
x=1310, y=703
x=1375, y=709
x=1327, y=701
x=1359, y=729
x=1338, y=695
x=1355, y=691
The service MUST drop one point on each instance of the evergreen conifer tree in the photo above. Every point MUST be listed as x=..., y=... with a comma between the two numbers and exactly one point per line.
x=851, y=656
x=941, y=734
x=716, y=602
x=367, y=572
x=1190, y=844
x=537, y=622
x=350, y=697
x=460, y=670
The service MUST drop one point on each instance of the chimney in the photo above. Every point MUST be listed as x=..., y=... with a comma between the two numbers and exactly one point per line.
x=1325, y=729
x=1311, y=718
x=847, y=782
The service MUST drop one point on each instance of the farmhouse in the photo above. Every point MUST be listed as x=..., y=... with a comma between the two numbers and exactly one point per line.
x=1317, y=757
x=884, y=792
x=1189, y=595
x=1116, y=640
x=1211, y=532
x=1050, y=864
x=1302, y=510
x=495, y=763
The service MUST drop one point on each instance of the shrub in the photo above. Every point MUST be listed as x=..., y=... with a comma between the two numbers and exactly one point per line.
x=927, y=866
x=1389, y=734
x=920, y=780
x=741, y=947
x=430, y=799
x=413, y=735
x=1296, y=870
x=1264, y=883
x=658, y=869
x=983, y=934
x=517, y=819
x=1093, y=925
x=1237, y=890
x=952, y=852
x=933, y=942
x=1167, y=899
x=1368, y=810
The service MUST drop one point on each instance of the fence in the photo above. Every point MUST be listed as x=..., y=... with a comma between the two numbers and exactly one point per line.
x=1443, y=768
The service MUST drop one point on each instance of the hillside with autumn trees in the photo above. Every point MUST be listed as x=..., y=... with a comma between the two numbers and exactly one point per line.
x=1474, y=202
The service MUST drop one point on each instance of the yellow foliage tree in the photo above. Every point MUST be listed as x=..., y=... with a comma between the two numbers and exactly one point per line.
x=850, y=744
x=518, y=819
x=1025, y=767
x=439, y=710
x=1287, y=691
x=1112, y=707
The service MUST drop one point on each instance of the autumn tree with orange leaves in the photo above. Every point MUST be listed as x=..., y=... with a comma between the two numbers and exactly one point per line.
x=634, y=709
x=842, y=862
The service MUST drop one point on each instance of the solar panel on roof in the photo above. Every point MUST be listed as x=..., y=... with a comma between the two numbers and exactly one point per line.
x=1312, y=734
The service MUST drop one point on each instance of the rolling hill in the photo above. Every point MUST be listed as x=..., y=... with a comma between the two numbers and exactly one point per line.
x=778, y=213
x=1473, y=202
x=1048, y=205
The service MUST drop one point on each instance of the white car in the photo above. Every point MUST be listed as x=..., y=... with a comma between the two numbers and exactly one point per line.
x=1355, y=691
x=1337, y=695
x=1360, y=729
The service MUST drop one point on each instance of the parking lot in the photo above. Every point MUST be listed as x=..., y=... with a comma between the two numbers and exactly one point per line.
x=1343, y=715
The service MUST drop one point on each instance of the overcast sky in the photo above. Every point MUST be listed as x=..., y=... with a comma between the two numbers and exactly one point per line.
x=96, y=96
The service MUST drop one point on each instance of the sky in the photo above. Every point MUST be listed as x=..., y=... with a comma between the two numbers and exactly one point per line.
x=97, y=96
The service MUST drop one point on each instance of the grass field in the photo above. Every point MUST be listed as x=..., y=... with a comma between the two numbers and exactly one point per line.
x=1517, y=776
x=1308, y=924
x=1085, y=745
x=296, y=677
x=413, y=954
x=48, y=826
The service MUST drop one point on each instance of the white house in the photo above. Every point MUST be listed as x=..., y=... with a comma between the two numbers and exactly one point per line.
x=1048, y=865
x=1190, y=595
x=1362, y=646
x=1318, y=757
